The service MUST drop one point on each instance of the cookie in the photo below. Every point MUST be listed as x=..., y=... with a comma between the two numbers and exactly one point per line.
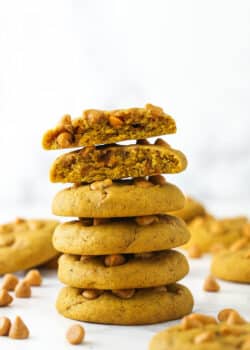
x=136, y=272
x=207, y=231
x=192, y=209
x=233, y=265
x=209, y=336
x=110, y=236
x=104, y=127
x=26, y=243
x=146, y=306
x=91, y=164
x=120, y=199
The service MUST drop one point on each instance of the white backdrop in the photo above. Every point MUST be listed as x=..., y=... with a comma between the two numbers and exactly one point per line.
x=190, y=57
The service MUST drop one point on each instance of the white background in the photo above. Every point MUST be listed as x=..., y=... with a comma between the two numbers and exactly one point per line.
x=190, y=57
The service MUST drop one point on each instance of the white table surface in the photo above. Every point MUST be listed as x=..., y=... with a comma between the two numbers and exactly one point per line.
x=47, y=327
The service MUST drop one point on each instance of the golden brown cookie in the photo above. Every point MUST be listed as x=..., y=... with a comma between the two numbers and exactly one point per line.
x=104, y=127
x=120, y=199
x=146, y=306
x=206, y=337
x=91, y=164
x=136, y=272
x=129, y=235
x=207, y=231
x=192, y=209
x=26, y=243
x=233, y=264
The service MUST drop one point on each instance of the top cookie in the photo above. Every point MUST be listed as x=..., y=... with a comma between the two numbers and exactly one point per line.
x=116, y=162
x=96, y=127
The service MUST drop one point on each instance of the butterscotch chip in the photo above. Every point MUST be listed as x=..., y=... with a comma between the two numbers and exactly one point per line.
x=142, y=182
x=64, y=139
x=161, y=142
x=5, y=298
x=91, y=293
x=4, y=326
x=18, y=329
x=157, y=180
x=85, y=258
x=142, y=142
x=23, y=290
x=101, y=185
x=124, y=293
x=114, y=260
x=196, y=320
x=161, y=289
x=230, y=316
x=75, y=334
x=211, y=285
x=146, y=220
x=9, y=281
x=115, y=122
x=194, y=252
x=204, y=337
x=33, y=278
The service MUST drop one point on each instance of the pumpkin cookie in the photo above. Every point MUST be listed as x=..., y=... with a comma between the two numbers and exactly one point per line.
x=233, y=264
x=119, y=199
x=219, y=336
x=129, y=235
x=120, y=271
x=207, y=232
x=144, y=306
x=26, y=243
x=191, y=210
x=104, y=127
x=116, y=162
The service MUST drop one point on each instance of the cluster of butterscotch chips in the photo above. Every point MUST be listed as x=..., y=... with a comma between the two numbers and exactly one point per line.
x=118, y=262
x=21, y=289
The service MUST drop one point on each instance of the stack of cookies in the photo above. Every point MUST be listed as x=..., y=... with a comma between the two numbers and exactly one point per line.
x=117, y=263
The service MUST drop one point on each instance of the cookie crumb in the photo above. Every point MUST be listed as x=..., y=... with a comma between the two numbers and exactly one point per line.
x=33, y=277
x=211, y=285
x=18, y=329
x=9, y=281
x=75, y=334
x=23, y=290
x=5, y=298
x=194, y=252
x=4, y=326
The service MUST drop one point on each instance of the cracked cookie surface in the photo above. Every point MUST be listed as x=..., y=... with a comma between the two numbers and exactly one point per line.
x=135, y=272
x=26, y=243
x=121, y=199
x=120, y=236
x=116, y=162
x=157, y=306
x=105, y=127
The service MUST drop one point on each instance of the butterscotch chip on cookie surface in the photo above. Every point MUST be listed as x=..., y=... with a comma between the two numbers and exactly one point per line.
x=121, y=199
x=116, y=162
x=162, y=268
x=104, y=127
x=144, y=307
x=22, y=246
x=76, y=238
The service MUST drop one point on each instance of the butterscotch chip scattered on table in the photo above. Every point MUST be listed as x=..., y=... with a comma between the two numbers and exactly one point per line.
x=211, y=285
x=23, y=290
x=33, y=278
x=18, y=329
x=116, y=162
x=5, y=298
x=194, y=252
x=75, y=334
x=104, y=127
x=9, y=281
x=4, y=326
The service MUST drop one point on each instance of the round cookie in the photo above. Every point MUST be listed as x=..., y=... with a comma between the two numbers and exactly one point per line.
x=121, y=199
x=161, y=268
x=120, y=236
x=147, y=306
x=26, y=243
x=208, y=231
x=220, y=337
x=191, y=210
x=232, y=265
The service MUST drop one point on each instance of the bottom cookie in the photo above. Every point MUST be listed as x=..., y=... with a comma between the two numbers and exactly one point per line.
x=146, y=306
